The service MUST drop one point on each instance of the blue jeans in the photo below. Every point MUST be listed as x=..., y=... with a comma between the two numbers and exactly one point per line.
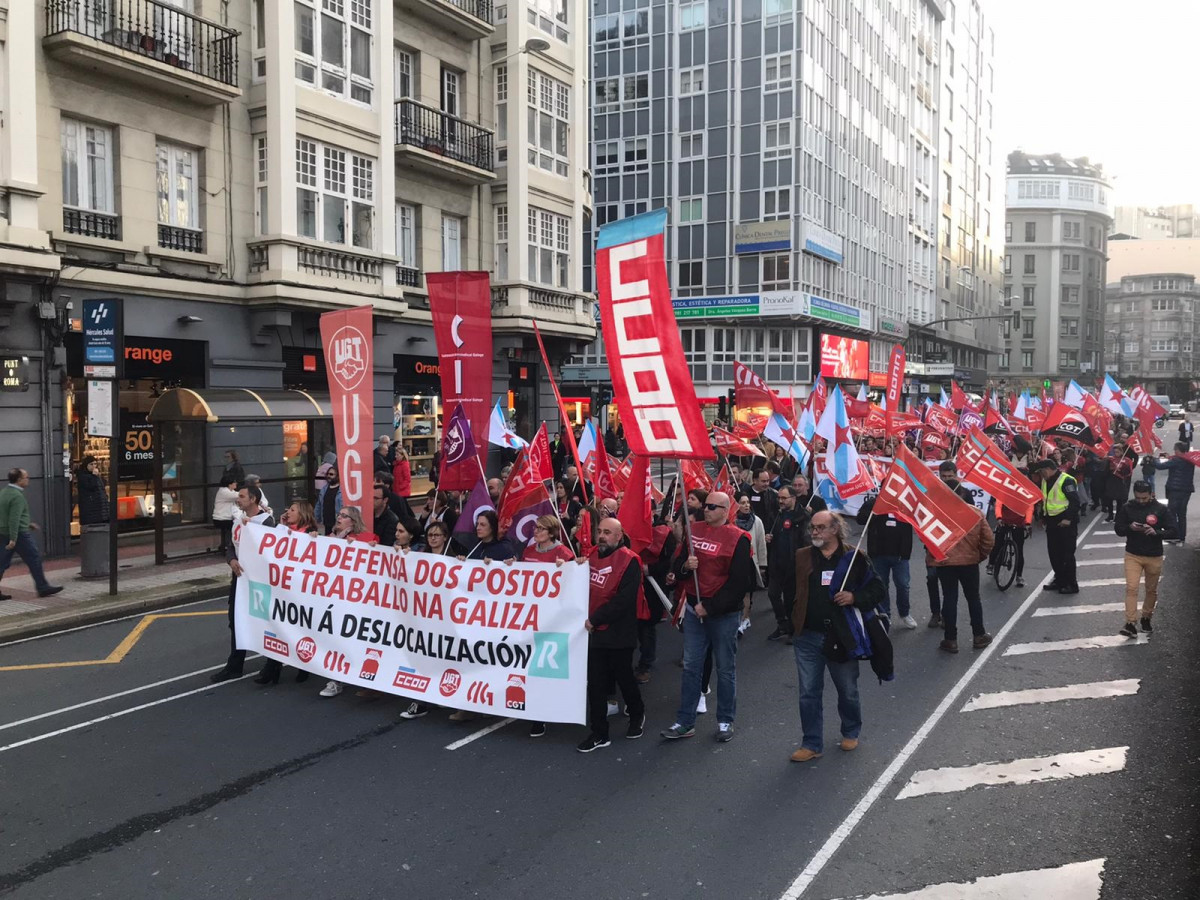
x=1177, y=503
x=810, y=666
x=898, y=569
x=28, y=551
x=719, y=633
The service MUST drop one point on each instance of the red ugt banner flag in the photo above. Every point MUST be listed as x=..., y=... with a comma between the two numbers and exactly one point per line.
x=914, y=493
x=981, y=462
x=346, y=337
x=651, y=381
x=461, y=306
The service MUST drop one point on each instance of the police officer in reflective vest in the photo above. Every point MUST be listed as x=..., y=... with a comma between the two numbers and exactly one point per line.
x=1060, y=516
x=614, y=603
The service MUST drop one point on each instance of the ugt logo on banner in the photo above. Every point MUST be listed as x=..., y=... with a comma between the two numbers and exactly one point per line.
x=346, y=336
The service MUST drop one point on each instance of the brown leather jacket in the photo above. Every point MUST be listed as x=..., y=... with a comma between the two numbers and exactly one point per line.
x=973, y=549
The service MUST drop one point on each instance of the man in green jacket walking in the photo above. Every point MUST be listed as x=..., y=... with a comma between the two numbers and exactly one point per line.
x=16, y=533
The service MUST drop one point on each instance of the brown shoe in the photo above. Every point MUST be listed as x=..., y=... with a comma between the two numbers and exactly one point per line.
x=641, y=677
x=936, y=622
x=981, y=641
x=805, y=755
x=463, y=715
x=949, y=646
x=849, y=744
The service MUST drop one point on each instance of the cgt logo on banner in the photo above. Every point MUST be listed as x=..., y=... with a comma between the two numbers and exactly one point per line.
x=464, y=631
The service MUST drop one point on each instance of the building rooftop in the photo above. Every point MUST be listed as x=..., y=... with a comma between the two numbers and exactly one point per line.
x=1022, y=163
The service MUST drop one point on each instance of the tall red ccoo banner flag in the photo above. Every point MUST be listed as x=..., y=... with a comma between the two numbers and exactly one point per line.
x=651, y=380
x=461, y=306
x=346, y=335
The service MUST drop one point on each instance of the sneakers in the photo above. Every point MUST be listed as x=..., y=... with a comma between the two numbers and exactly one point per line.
x=537, y=729
x=937, y=622
x=909, y=622
x=331, y=689
x=949, y=646
x=981, y=640
x=1130, y=630
x=677, y=731
x=50, y=590
x=702, y=706
x=592, y=742
x=804, y=755
x=636, y=729
x=849, y=744
x=725, y=732
x=776, y=634
x=1020, y=581
x=415, y=710
x=743, y=627
x=1146, y=624
x=613, y=709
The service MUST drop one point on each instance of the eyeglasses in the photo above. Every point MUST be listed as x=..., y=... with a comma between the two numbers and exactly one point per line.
x=714, y=506
x=342, y=516
x=540, y=528
x=820, y=527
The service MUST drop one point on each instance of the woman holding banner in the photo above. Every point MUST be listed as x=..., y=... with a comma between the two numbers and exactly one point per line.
x=546, y=546
x=491, y=545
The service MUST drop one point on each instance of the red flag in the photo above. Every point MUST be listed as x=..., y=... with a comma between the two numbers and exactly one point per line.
x=1035, y=418
x=525, y=482
x=540, y=460
x=695, y=477
x=729, y=444
x=876, y=420
x=752, y=395
x=637, y=507
x=993, y=422
x=1069, y=424
x=652, y=384
x=346, y=336
x=857, y=409
x=895, y=384
x=958, y=400
x=903, y=421
x=1148, y=409
x=1192, y=456
x=940, y=419
x=914, y=493
x=583, y=533
x=460, y=304
x=568, y=429
x=595, y=462
x=724, y=484
x=980, y=460
x=935, y=439
x=620, y=475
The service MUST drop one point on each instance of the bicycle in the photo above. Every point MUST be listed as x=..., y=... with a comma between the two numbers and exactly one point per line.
x=1004, y=569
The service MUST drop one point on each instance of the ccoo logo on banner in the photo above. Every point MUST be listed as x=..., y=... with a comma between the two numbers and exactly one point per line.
x=418, y=625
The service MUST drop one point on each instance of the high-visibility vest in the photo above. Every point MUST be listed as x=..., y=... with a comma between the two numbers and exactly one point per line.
x=1055, y=500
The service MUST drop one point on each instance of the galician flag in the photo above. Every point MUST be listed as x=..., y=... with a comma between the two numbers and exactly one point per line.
x=841, y=456
x=1114, y=399
x=500, y=435
x=779, y=431
x=1075, y=395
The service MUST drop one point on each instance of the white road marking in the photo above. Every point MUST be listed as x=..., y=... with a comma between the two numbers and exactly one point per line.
x=952, y=779
x=809, y=873
x=1090, y=691
x=136, y=615
x=1103, y=582
x=1108, y=561
x=495, y=726
x=119, y=714
x=1075, y=881
x=144, y=687
x=1082, y=608
x=1099, y=544
x=1099, y=642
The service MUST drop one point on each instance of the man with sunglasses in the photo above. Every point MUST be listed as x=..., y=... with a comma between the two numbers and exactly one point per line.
x=716, y=572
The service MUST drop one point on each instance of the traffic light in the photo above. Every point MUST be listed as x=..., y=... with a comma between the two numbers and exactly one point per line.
x=730, y=395
x=721, y=409
x=594, y=401
x=605, y=396
x=1046, y=384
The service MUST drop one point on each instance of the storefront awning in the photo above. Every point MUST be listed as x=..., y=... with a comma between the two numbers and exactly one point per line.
x=237, y=405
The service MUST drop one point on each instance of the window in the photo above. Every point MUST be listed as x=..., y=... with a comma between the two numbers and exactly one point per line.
x=1163, y=304
x=691, y=275
x=691, y=81
x=1071, y=231
x=178, y=201
x=404, y=72
x=261, y=222
x=775, y=8
x=949, y=57
x=258, y=28
x=608, y=156
x=550, y=16
x=335, y=47
x=692, y=15
x=776, y=271
x=87, y=166
x=1008, y=232
x=777, y=72
x=949, y=201
x=548, y=119
x=949, y=104
x=501, y=242
x=1030, y=232
x=1004, y=359
x=1164, y=284
x=777, y=203
x=406, y=235
x=501, y=83
x=452, y=241
x=1027, y=296
x=1027, y=360
x=947, y=228
x=1070, y=262
x=1068, y=327
x=1027, y=327
x=948, y=141
x=691, y=210
x=1162, y=365
x=777, y=140
x=635, y=88
x=637, y=157
x=608, y=91
x=549, y=245
x=1165, y=345
x=635, y=27
x=1068, y=359
x=691, y=146
x=1132, y=347
x=1007, y=265
x=1030, y=263
x=1069, y=294
x=1038, y=189
x=325, y=202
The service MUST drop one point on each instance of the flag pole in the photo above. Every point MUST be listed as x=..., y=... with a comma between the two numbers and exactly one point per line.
x=570, y=433
x=857, y=547
x=557, y=514
x=687, y=528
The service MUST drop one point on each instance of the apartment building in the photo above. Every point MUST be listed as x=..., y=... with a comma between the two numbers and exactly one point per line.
x=232, y=170
x=1149, y=223
x=1150, y=332
x=1057, y=221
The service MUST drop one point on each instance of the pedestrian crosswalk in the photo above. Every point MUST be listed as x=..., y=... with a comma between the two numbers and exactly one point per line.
x=1098, y=642
x=1090, y=691
x=1074, y=881
x=1017, y=771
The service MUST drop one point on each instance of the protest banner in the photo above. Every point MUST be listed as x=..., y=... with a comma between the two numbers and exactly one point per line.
x=500, y=639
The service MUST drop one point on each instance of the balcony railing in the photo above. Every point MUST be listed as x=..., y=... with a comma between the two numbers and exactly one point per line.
x=480, y=9
x=437, y=132
x=407, y=276
x=91, y=224
x=155, y=30
x=349, y=264
x=186, y=239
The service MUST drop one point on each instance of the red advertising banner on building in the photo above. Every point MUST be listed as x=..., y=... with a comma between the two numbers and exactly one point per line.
x=346, y=335
x=651, y=381
x=461, y=306
x=844, y=358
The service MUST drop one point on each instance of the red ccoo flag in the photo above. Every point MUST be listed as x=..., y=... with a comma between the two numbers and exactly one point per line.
x=730, y=444
x=637, y=506
x=913, y=492
x=983, y=462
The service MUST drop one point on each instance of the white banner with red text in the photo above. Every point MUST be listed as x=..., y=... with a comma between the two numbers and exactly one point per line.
x=486, y=637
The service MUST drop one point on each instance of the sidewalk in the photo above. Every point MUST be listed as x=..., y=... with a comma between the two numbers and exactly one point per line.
x=142, y=586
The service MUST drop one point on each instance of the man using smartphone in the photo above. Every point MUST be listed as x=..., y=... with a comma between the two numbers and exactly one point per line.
x=1145, y=524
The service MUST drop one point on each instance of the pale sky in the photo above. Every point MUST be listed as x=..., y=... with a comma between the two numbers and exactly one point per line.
x=1112, y=80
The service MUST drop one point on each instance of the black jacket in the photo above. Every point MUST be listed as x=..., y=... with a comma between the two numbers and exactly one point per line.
x=789, y=534
x=619, y=614
x=765, y=505
x=385, y=527
x=1140, y=543
x=886, y=535
x=93, y=500
x=1181, y=474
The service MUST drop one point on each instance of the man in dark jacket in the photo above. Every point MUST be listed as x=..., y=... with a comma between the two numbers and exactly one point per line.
x=385, y=520
x=616, y=582
x=1060, y=517
x=789, y=534
x=1181, y=477
x=763, y=499
x=821, y=627
x=718, y=565
x=250, y=510
x=1144, y=523
x=889, y=544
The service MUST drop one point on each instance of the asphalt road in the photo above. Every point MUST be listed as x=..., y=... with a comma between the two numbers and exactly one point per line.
x=140, y=779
